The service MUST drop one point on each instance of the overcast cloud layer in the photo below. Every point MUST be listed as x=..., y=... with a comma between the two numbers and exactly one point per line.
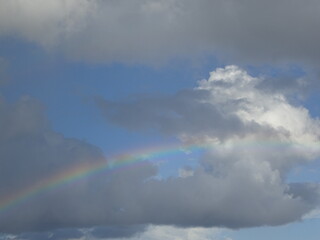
x=156, y=30
x=255, y=139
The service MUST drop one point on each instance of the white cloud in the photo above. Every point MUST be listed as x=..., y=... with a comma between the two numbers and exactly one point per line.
x=234, y=92
x=185, y=172
x=174, y=233
x=256, y=138
x=313, y=214
x=265, y=108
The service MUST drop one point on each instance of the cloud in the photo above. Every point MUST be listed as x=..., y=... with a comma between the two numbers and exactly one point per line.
x=153, y=31
x=170, y=232
x=46, y=24
x=60, y=234
x=151, y=232
x=116, y=231
x=253, y=138
x=112, y=232
x=257, y=137
x=230, y=103
x=31, y=152
x=184, y=113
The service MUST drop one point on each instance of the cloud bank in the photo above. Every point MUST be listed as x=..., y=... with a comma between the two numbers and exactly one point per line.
x=157, y=30
x=255, y=138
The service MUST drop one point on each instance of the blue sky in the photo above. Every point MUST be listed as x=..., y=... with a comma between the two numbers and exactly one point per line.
x=81, y=81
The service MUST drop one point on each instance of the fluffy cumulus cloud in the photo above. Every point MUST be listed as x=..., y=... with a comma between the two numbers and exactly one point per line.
x=144, y=31
x=253, y=139
x=256, y=138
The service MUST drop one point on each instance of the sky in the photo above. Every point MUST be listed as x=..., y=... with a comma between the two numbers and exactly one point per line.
x=159, y=119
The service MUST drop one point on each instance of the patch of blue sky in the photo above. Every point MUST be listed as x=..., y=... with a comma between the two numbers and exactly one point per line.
x=308, y=229
x=309, y=172
x=312, y=103
x=67, y=89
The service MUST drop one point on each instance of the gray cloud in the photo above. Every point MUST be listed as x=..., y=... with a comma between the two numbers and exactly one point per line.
x=60, y=234
x=117, y=231
x=257, y=137
x=30, y=152
x=144, y=31
x=183, y=113
x=236, y=201
x=306, y=191
x=254, y=138
x=152, y=232
x=109, y=232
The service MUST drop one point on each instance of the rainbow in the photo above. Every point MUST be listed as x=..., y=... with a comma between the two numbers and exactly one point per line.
x=83, y=170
